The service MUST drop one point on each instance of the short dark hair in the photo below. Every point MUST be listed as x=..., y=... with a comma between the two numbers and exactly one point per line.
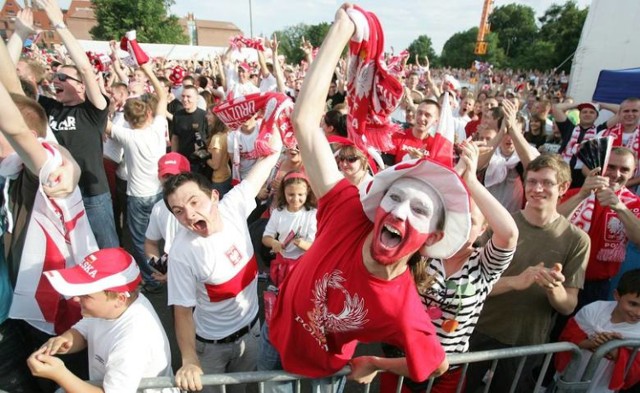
x=174, y=182
x=429, y=101
x=337, y=120
x=629, y=283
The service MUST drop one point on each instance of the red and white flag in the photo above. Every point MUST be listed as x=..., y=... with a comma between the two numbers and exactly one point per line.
x=442, y=148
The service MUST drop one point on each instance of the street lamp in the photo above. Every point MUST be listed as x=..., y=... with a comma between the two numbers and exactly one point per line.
x=250, y=20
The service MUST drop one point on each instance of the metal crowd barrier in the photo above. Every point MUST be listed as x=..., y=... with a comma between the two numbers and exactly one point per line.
x=569, y=382
x=582, y=383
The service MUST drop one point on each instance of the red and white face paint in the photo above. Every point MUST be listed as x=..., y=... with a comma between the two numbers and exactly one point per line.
x=407, y=216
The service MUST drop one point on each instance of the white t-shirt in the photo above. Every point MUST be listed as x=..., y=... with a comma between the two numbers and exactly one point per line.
x=218, y=274
x=268, y=84
x=247, y=148
x=595, y=318
x=122, y=351
x=301, y=223
x=142, y=150
x=162, y=225
x=113, y=150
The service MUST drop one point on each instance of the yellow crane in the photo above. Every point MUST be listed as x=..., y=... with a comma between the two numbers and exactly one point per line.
x=483, y=30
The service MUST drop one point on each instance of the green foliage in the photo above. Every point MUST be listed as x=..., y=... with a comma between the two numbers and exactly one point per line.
x=458, y=50
x=515, y=26
x=290, y=39
x=422, y=47
x=562, y=25
x=148, y=17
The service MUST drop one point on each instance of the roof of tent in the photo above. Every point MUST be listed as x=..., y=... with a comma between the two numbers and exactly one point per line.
x=609, y=40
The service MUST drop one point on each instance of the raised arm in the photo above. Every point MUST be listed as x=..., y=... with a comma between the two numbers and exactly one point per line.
x=525, y=151
x=559, y=111
x=23, y=28
x=77, y=54
x=277, y=67
x=8, y=75
x=316, y=154
x=160, y=90
x=505, y=231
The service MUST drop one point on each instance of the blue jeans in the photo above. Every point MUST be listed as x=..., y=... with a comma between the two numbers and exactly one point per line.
x=269, y=360
x=138, y=212
x=100, y=214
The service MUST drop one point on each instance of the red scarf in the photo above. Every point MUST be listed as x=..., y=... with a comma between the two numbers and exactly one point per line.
x=372, y=92
x=617, y=131
x=573, y=145
x=277, y=117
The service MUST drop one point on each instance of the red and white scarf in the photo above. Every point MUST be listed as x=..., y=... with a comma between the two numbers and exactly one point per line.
x=372, y=92
x=617, y=132
x=572, y=146
x=583, y=215
x=58, y=235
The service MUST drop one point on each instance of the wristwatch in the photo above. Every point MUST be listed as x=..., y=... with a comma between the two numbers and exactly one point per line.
x=59, y=26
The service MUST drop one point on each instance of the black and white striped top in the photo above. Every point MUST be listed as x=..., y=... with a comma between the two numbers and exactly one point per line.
x=461, y=296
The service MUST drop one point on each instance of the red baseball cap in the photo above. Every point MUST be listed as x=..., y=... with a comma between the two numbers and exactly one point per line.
x=590, y=105
x=111, y=269
x=173, y=164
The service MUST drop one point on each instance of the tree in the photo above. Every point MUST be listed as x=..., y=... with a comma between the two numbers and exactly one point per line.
x=422, y=47
x=290, y=39
x=562, y=25
x=515, y=26
x=458, y=50
x=148, y=17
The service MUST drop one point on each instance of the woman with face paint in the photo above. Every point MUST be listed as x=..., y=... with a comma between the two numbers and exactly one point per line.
x=454, y=289
x=354, y=284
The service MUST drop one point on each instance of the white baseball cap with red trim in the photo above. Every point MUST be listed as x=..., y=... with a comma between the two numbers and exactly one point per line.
x=111, y=269
x=445, y=182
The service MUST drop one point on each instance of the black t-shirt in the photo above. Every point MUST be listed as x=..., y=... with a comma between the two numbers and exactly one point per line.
x=335, y=99
x=79, y=128
x=185, y=126
x=566, y=129
x=22, y=194
x=173, y=107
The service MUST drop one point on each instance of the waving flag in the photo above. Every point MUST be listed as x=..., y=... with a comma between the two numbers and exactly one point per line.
x=442, y=148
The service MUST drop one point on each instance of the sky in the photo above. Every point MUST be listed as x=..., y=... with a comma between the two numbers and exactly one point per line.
x=402, y=20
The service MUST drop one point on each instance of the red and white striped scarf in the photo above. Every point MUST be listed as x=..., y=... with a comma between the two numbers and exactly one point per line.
x=573, y=145
x=617, y=131
x=277, y=109
x=583, y=215
x=58, y=235
x=372, y=92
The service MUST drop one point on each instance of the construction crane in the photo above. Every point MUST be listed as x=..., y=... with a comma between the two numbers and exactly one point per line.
x=483, y=30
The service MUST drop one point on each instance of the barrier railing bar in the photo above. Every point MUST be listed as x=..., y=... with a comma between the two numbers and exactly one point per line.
x=463, y=375
x=516, y=378
x=602, y=350
x=543, y=371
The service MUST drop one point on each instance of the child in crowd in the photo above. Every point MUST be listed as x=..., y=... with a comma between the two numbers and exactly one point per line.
x=600, y=322
x=292, y=226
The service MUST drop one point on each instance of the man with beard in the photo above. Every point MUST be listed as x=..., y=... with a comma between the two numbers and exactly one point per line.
x=610, y=214
x=354, y=284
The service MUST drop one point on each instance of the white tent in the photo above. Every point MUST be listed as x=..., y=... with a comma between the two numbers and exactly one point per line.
x=609, y=41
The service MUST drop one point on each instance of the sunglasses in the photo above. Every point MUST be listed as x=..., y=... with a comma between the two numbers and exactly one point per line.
x=62, y=77
x=349, y=159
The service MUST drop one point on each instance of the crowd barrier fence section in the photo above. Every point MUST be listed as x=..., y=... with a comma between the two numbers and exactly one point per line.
x=582, y=383
x=569, y=382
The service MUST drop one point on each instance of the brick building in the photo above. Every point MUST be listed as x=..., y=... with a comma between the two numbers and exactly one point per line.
x=80, y=19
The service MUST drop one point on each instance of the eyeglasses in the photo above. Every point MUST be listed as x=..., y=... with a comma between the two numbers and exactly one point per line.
x=349, y=159
x=544, y=183
x=62, y=77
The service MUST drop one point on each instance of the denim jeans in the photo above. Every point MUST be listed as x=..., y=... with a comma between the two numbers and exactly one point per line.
x=100, y=214
x=138, y=212
x=269, y=360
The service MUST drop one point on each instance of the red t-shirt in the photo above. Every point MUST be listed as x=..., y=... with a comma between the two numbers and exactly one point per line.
x=329, y=301
x=608, y=239
x=406, y=139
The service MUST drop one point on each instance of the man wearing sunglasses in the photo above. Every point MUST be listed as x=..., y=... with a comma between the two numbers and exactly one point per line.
x=78, y=117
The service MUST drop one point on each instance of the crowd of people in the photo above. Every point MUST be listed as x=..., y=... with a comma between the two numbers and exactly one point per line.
x=385, y=202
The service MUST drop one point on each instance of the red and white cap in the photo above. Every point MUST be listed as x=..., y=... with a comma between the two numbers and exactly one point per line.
x=111, y=269
x=590, y=105
x=445, y=182
x=173, y=164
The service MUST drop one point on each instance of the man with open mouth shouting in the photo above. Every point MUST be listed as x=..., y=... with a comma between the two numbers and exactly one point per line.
x=354, y=285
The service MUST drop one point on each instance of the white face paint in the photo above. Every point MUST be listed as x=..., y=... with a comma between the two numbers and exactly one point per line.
x=407, y=216
x=411, y=200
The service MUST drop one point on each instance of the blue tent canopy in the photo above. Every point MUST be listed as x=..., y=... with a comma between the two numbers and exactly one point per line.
x=615, y=85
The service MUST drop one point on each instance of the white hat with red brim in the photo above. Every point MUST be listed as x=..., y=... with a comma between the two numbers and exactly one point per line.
x=111, y=269
x=445, y=182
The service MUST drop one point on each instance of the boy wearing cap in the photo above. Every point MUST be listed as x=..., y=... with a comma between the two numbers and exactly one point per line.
x=354, y=284
x=574, y=134
x=162, y=224
x=120, y=328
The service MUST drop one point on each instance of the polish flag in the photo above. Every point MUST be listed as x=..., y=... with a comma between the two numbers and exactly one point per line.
x=442, y=148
